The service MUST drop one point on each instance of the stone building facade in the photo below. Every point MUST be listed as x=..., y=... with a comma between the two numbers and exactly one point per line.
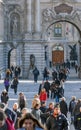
x=46, y=30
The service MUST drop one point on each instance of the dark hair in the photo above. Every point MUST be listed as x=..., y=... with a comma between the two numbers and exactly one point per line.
x=32, y=117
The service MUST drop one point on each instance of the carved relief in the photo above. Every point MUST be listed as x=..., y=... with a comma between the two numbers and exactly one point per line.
x=63, y=8
x=15, y=8
x=48, y=15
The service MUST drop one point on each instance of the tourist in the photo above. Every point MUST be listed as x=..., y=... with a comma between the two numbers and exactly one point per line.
x=21, y=101
x=4, y=96
x=6, y=84
x=77, y=120
x=36, y=74
x=43, y=95
x=16, y=110
x=36, y=108
x=46, y=74
x=47, y=87
x=63, y=106
x=9, y=113
x=72, y=105
x=15, y=84
x=5, y=122
x=57, y=121
x=29, y=122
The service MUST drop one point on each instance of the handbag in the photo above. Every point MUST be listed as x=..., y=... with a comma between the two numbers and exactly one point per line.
x=12, y=86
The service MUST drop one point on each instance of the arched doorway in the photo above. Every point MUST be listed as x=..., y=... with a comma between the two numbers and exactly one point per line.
x=66, y=36
x=57, y=55
x=12, y=57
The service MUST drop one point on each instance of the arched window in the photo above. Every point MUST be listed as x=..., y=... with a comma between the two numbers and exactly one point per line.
x=58, y=47
x=57, y=30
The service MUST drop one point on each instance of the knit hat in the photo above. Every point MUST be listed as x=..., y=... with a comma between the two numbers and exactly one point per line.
x=2, y=105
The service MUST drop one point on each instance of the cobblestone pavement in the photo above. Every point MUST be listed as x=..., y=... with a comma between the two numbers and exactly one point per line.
x=72, y=87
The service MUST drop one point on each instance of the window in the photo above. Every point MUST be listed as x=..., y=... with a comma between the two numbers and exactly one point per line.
x=57, y=30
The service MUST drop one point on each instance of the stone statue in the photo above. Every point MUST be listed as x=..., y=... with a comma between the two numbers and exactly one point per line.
x=15, y=24
x=32, y=61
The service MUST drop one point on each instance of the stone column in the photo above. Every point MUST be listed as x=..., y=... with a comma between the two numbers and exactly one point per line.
x=28, y=16
x=79, y=73
x=37, y=16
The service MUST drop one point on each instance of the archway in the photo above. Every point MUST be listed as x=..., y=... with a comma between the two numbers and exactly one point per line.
x=78, y=40
x=9, y=54
x=12, y=57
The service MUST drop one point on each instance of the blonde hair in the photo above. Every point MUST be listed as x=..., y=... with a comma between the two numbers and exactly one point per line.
x=36, y=96
x=35, y=102
x=15, y=104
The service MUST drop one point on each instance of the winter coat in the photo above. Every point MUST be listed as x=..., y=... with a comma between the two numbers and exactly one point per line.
x=72, y=105
x=11, y=115
x=10, y=124
x=40, y=88
x=43, y=96
x=6, y=82
x=4, y=98
x=36, y=72
x=59, y=123
x=37, y=113
x=77, y=122
x=47, y=87
x=22, y=102
x=63, y=107
x=15, y=82
x=76, y=110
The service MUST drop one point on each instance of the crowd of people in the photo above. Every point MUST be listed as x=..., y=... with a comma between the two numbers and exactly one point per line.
x=40, y=116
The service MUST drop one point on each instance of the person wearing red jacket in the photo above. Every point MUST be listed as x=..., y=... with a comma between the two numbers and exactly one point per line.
x=43, y=95
x=5, y=122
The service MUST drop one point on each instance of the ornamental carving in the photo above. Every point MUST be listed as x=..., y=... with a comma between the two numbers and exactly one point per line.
x=63, y=8
x=48, y=15
x=14, y=8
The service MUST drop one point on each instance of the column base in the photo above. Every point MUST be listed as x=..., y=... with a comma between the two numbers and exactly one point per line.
x=37, y=36
x=28, y=36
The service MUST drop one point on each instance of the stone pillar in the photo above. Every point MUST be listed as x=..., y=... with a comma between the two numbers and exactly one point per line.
x=37, y=21
x=29, y=16
x=79, y=73
x=28, y=34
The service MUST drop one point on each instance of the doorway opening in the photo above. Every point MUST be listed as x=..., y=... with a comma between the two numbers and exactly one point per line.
x=12, y=57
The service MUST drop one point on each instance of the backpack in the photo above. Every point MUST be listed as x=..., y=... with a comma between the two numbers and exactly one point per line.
x=36, y=72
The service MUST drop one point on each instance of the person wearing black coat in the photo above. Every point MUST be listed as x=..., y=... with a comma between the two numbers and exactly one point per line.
x=47, y=87
x=77, y=121
x=40, y=87
x=36, y=74
x=63, y=106
x=15, y=84
x=46, y=74
x=4, y=97
x=57, y=121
